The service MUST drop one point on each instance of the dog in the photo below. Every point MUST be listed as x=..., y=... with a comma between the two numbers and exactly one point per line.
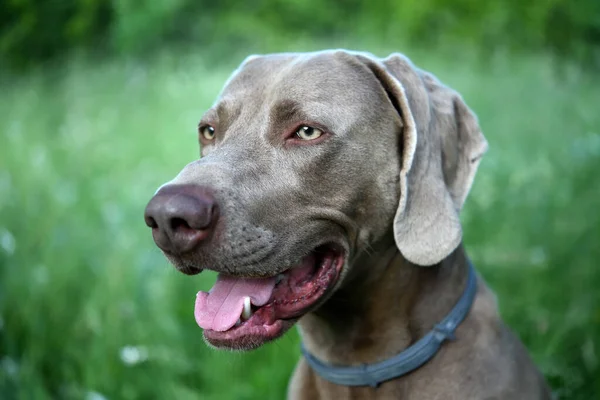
x=328, y=194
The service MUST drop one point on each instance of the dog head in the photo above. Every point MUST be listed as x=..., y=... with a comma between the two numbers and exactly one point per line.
x=307, y=161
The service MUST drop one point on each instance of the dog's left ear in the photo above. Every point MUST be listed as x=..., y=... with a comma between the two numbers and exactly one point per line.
x=441, y=147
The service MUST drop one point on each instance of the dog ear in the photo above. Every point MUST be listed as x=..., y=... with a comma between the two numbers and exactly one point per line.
x=441, y=148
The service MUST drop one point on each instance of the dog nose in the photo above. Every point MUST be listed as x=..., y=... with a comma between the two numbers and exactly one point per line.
x=181, y=217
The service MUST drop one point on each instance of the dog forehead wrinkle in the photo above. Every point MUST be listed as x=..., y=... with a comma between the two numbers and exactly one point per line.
x=322, y=96
x=322, y=76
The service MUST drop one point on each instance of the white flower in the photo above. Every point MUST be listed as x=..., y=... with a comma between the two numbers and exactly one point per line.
x=537, y=256
x=7, y=241
x=10, y=366
x=91, y=395
x=132, y=355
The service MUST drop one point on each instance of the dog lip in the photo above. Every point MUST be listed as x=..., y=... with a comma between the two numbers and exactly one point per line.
x=240, y=272
x=248, y=339
x=270, y=321
x=189, y=270
x=181, y=266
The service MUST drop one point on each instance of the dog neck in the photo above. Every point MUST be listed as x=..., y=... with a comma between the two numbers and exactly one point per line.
x=384, y=306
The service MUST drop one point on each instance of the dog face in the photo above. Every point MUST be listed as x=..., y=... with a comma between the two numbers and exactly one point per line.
x=307, y=161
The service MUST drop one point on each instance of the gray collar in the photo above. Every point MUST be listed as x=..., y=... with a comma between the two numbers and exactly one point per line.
x=408, y=360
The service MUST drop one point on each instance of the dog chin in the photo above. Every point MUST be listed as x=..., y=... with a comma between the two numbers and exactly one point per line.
x=245, y=339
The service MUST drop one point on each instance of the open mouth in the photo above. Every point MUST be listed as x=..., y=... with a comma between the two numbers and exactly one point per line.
x=244, y=313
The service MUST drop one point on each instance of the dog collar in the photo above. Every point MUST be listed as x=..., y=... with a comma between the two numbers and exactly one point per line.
x=408, y=360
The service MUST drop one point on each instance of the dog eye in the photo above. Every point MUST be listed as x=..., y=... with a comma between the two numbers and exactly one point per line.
x=207, y=132
x=308, y=133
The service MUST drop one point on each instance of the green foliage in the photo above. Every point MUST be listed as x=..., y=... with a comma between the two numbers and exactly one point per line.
x=89, y=307
x=33, y=30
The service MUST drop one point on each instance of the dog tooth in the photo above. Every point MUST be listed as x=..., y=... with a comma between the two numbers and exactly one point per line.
x=278, y=278
x=247, y=311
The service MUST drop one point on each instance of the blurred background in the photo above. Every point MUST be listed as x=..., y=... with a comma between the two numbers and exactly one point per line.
x=99, y=102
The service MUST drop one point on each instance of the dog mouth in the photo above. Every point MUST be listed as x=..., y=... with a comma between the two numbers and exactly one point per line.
x=244, y=313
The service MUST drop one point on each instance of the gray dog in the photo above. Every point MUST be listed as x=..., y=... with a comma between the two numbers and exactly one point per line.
x=328, y=194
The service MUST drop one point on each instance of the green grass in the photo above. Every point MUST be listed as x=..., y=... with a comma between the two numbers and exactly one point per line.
x=84, y=146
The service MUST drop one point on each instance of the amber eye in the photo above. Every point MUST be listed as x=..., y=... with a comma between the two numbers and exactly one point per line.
x=207, y=132
x=308, y=133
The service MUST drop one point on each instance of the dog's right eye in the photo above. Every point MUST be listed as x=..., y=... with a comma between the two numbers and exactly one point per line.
x=207, y=132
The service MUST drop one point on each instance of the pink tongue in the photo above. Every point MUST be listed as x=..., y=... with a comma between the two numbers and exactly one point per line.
x=221, y=308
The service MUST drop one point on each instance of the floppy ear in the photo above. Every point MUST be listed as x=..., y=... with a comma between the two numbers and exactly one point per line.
x=441, y=148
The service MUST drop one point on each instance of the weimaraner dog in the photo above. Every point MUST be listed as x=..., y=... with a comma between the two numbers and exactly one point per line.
x=328, y=194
